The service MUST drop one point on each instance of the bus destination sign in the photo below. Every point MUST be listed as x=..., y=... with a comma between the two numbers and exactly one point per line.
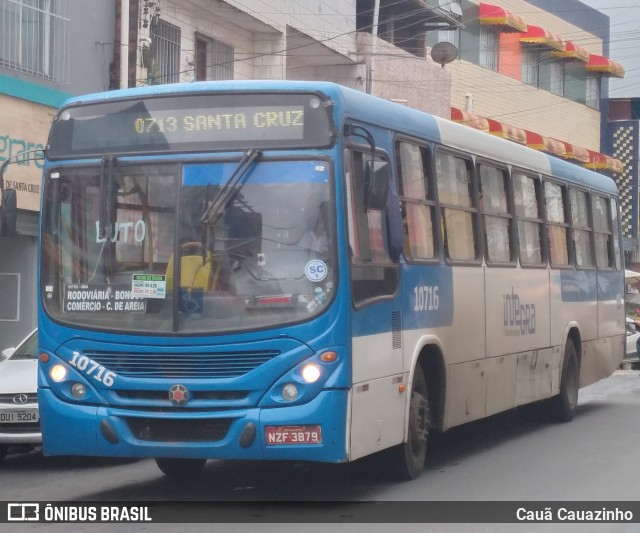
x=191, y=123
x=274, y=122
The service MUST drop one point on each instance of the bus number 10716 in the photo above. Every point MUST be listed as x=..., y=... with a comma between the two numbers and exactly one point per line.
x=426, y=298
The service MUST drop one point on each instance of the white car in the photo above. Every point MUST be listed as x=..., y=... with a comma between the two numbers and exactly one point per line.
x=19, y=415
x=632, y=338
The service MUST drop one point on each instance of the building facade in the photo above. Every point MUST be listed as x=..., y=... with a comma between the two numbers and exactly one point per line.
x=623, y=136
x=49, y=50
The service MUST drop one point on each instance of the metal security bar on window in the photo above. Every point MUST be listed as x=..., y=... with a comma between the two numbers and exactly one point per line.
x=214, y=60
x=488, y=48
x=35, y=37
x=165, y=40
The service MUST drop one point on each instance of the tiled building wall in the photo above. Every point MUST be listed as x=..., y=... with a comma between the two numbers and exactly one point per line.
x=624, y=136
x=513, y=102
x=518, y=104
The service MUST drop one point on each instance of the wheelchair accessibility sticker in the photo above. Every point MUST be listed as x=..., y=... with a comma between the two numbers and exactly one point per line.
x=191, y=300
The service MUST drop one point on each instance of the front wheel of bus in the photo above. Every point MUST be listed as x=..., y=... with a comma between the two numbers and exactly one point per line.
x=180, y=467
x=562, y=407
x=411, y=455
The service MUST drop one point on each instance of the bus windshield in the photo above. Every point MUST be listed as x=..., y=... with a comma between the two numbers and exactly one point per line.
x=179, y=249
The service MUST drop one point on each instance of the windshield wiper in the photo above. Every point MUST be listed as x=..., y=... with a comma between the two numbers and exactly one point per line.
x=229, y=190
x=106, y=191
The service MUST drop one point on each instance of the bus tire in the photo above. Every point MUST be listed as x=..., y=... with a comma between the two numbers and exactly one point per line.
x=409, y=457
x=181, y=468
x=3, y=452
x=562, y=407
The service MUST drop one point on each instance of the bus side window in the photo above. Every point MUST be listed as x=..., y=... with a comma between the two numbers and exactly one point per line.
x=557, y=227
x=526, y=196
x=373, y=272
x=455, y=185
x=496, y=214
x=416, y=197
x=615, y=215
x=603, y=237
x=581, y=226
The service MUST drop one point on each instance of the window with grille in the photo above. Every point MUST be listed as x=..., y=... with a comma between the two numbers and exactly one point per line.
x=593, y=91
x=556, y=74
x=488, y=48
x=530, y=65
x=165, y=42
x=34, y=37
x=214, y=60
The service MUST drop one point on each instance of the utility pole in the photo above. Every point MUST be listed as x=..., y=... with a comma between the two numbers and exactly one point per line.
x=374, y=45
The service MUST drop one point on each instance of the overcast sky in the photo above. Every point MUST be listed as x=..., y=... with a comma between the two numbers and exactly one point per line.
x=625, y=43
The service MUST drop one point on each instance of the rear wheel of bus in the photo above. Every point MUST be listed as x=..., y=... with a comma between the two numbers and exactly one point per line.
x=562, y=407
x=180, y=467
x=408, y=458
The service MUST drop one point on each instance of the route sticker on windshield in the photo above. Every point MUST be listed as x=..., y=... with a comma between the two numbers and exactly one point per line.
x=149, y=286
x=316, y=270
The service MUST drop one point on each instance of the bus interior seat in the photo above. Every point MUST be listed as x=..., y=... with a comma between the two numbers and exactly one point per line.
x=195, y=272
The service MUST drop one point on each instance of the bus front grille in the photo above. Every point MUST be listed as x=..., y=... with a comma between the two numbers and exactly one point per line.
x=183, y=365
x=179, y=430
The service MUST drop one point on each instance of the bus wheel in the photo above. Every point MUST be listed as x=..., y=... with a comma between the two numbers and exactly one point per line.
x=3, y=452
x=410, y=456
x=180, y=467
x=562, y=407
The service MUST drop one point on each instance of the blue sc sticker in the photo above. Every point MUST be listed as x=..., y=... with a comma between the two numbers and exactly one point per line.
x=316, y=270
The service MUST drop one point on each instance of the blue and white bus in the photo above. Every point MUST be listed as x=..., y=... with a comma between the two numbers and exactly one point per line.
x=275, y=270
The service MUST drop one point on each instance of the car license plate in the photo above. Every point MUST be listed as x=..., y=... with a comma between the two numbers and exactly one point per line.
x=22, y=416
x=276, y=435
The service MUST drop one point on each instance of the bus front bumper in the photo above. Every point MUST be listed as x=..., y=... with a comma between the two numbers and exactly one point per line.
x=75, y=429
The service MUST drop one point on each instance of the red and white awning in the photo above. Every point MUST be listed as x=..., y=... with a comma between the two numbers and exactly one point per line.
x=605, y=66
x=542, y=37
x=497, y=16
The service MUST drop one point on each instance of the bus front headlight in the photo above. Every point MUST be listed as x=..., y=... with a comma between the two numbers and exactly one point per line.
x=58, y=373
x=289, y=392
x=310, y=373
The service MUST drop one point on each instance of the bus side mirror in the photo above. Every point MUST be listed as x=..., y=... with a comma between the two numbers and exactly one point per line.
x=376, y=184
x=8, y=212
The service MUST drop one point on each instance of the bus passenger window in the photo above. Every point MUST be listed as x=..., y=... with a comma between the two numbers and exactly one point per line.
x=373, y=271
x=529, y=220
x=581, y=228
x=616, y=238
x=497, y=219
x=604, y=249
x=453, y=176
x=557, y=227
x=417, y=201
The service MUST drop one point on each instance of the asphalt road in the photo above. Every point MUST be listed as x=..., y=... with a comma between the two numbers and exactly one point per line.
x=503, y=458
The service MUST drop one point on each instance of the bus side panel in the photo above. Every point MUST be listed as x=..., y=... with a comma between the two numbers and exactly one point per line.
x=465, y=339
x=601, y=358
x=517, y=309
x=377, y=408
x=538, y=375
x=464, y=346
x=573, y=300
x=466, y=392
x=377, y=416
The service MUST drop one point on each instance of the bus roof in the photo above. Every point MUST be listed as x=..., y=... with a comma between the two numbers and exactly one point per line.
x=400, y=118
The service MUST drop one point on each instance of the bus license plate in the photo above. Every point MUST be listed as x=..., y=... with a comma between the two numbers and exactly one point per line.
x=23, y=416
x=276, y=435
